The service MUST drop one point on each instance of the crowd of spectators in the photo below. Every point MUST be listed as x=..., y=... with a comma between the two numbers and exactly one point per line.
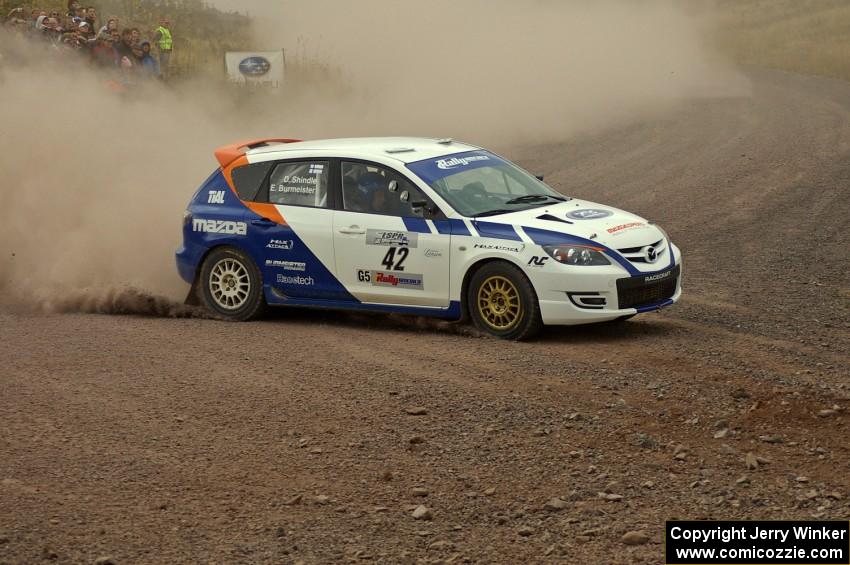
x=105, y=44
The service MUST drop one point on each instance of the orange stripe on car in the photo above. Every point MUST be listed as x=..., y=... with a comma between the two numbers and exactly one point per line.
x=268, y=211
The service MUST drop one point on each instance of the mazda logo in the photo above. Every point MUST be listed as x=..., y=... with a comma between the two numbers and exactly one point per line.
x=651, y=254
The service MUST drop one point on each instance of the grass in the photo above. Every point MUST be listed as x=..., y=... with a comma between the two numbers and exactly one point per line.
x=804, y=36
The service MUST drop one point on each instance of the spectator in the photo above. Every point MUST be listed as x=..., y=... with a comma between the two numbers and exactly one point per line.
x=91, y=17
x=149, y=62
x=135, y=36
x=165, y=43
x=111, y=24
x=125, y=47
x=104, y=54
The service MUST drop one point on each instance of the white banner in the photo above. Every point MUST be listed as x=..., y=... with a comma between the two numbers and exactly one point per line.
x=255, y=67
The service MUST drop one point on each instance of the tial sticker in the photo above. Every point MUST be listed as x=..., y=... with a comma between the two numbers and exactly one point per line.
x=219, y=226
x=589, y=214
x=387, y=238
x=215, y=197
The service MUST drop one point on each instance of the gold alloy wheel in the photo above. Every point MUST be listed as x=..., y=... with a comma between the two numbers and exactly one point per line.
x=499, y=303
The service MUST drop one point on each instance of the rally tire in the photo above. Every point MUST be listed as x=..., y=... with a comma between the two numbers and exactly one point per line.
x=231, y=285
x=501, y=302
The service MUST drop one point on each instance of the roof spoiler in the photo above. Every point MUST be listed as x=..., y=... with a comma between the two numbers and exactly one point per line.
x=229, y=153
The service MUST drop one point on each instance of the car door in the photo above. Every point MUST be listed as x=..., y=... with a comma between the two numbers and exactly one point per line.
x=290, y=225
x=386, y=251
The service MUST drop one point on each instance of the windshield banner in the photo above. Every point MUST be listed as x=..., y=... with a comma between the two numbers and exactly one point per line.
x=432, y=170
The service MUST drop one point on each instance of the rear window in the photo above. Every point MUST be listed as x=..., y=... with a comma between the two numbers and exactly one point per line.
x=249, y=179
x=300, y=184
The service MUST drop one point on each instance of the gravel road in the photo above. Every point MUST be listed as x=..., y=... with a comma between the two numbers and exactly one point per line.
x=315, y=438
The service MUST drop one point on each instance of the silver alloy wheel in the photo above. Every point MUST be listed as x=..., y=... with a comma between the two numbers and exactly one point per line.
x=230, y=284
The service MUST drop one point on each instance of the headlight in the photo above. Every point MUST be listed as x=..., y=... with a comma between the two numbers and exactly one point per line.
x=577, y=254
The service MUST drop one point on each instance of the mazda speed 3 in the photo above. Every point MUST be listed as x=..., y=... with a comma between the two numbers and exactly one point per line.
x=415, y=226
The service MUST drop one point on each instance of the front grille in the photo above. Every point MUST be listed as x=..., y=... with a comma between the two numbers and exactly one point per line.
x=638, y=254
x=635, y=292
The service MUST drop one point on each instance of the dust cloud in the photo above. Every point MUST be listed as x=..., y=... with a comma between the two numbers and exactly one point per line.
x=94, y=184
x=490, y=71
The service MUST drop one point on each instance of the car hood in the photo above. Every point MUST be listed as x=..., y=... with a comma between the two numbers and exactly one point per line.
x=609, y=226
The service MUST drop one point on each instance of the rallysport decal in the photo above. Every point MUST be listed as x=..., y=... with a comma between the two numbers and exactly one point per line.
x=396, y=280
x=388, y=238
x=219, y=226
x=455, y=162
x=589, y=214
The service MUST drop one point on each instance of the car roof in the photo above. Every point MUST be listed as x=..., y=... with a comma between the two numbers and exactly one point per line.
x=404, y=149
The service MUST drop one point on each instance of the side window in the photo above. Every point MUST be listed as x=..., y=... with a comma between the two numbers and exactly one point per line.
x=249, y=179
x=300, y=184
x=367, y=188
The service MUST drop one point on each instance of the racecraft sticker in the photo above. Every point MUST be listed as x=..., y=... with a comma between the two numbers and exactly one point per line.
x=616, y=230
x=388, y=238
x=286, y=265
x=219, y=226
x=589, y=214
x=659, y=277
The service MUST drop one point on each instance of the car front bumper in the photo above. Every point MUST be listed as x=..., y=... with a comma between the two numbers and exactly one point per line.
x=605, y=294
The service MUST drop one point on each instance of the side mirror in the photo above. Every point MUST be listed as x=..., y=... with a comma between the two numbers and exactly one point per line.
x=540, y=178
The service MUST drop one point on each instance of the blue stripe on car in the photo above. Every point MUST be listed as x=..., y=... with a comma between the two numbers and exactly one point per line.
x=417, y=225
x=652, y=307
x=546, y=237
x=453, y=312
x=497, y=231
x=451, y=227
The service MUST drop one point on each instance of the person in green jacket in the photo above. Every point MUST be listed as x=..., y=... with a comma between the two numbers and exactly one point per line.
x=165, y=43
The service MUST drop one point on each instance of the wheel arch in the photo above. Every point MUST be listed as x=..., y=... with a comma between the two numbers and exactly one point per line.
x=192, y=298
x=474, y=268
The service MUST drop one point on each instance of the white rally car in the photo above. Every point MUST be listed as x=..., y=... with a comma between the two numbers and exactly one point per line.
x=417, y=226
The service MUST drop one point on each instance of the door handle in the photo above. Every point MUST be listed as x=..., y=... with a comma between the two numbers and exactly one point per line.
x=353, y=230
x=263, y=223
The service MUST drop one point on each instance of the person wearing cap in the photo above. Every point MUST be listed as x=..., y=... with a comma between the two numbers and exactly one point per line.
x=165, y=43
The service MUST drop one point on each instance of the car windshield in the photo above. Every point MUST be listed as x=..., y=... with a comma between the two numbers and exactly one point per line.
x=479, y=184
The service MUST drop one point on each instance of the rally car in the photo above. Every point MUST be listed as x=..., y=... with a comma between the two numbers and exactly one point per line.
x=415, y=226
